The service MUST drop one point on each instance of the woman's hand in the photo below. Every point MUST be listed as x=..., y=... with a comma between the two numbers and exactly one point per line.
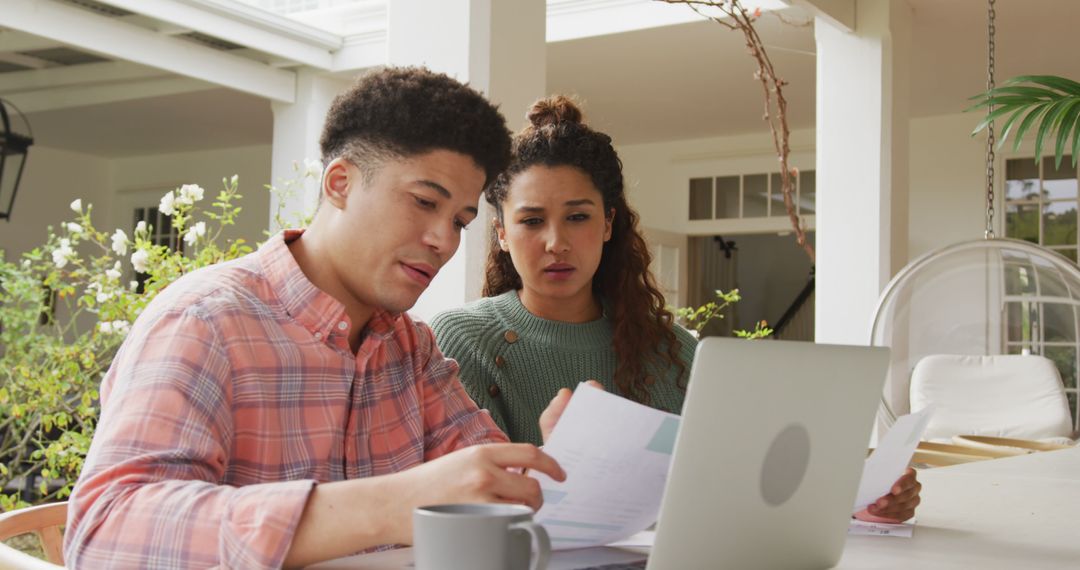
x=555, y=409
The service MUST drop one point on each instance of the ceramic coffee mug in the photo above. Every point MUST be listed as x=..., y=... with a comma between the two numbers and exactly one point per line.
x=478, y=537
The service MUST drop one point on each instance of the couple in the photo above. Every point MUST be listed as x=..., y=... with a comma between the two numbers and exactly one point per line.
x=282, y=409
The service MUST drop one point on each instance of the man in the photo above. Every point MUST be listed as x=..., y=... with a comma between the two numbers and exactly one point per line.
x=281, y=409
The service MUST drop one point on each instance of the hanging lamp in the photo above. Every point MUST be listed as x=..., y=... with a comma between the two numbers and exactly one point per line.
x=14, y=149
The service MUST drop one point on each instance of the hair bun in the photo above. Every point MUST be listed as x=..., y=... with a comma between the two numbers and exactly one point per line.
x=553, y=111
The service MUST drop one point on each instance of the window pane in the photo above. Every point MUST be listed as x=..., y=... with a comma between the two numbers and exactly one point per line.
x=776, y=195
x=727, y=197
x=1064, y=357
x=807, y=192
x=1059, y=323
x=1059, y=183
x=1068, y=252
x=1059, y=222
x=1020, y=318
x=755, y=195
x=1022, y=222
x=1019, y=279
x=701, y=198
x=1021, y=179
x=1064, y=173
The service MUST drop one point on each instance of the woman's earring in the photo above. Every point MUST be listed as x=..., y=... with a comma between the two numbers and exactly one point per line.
x=503, y=246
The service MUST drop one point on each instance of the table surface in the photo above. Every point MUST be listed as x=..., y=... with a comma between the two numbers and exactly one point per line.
x=1017, y=512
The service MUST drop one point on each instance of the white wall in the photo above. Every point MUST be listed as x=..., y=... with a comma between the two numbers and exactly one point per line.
x=948, y=182
x=149, y=177
x=51, y=181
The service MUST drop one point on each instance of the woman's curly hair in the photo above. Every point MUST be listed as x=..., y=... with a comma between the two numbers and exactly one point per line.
x=642, y=327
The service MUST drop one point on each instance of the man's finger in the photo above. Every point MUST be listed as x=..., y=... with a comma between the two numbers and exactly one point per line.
x=524, y=455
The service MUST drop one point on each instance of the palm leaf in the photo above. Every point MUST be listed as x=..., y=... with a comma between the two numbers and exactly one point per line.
x=1051, y=102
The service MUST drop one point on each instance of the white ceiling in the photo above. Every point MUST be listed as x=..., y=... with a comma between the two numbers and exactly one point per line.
x=676, y=82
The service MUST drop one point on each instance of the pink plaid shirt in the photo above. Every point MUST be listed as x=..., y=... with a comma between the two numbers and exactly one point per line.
x=235, y=393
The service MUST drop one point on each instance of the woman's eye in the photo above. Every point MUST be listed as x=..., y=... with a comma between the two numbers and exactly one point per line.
x=423, y=203
x=460, y=225
x=532, y=221
x=577, y=217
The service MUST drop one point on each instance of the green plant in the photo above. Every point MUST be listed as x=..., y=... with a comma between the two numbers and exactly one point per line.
x=1051, y=102
x=65, y=308
x=698, y=318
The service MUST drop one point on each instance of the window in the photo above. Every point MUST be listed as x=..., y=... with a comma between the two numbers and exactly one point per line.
x=748, y=196
x=161, y=233
x=1041, y=313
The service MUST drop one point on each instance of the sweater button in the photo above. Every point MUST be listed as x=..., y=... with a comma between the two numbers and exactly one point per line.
x=510, y=336
x=650, y=380
x=500, y=361
x=493, y=390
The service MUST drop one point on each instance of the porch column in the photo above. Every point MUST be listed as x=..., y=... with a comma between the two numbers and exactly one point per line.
x=496, y=47
x=862, y=165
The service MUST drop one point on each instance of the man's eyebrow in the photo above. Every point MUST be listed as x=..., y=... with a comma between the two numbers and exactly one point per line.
x=444, y=192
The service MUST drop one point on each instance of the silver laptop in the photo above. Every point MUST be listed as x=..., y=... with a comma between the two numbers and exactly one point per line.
x=769, y=454
x=768, y=457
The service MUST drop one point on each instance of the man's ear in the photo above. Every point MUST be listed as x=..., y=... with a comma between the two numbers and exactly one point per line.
x=337, y=180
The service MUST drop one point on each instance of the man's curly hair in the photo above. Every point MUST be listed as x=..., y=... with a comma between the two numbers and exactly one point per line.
x=400, y=112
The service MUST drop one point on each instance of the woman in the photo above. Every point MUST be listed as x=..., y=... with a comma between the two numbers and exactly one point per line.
x=568, y=292
x=569, y=296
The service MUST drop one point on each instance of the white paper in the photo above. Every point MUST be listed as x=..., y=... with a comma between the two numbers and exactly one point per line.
x=616, y=454
x=901, y=530
x=891, y=457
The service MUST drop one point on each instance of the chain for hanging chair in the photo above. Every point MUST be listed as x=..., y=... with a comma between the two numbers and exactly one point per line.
x=990, y=29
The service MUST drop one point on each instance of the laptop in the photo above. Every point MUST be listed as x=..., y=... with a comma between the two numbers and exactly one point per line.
x=767, y=460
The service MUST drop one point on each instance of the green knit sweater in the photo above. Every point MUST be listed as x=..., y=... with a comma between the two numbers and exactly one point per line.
x=513, y=362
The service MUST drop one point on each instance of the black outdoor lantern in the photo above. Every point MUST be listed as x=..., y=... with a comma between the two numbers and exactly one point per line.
x=14, y=148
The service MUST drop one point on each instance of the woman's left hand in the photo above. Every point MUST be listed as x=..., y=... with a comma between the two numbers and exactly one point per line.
x=899, y=505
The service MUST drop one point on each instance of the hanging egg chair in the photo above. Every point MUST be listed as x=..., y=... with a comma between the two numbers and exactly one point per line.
x=979, y=298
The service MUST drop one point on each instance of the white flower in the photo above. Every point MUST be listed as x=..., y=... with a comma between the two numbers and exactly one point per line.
x=76, y=206
x=141, y=229
x=121, y=327
x=63, y=254
x=190, y=193
x=313, y=168
x=105, y=327
x=134, y=285
x=102, y=296
x=139, y=260
x=120, y=242
x=113, y=274
x=168, y=204
x=195, y=232
x=73, y=228
x=235, y=178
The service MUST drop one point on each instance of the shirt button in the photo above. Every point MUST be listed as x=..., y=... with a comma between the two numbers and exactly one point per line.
x=318, y=335
x=493, y=390
x=342, y=325
x=510, y=336
x=500, y=361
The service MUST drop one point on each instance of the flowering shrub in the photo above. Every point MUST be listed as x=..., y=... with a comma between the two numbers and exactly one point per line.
x=65, y=308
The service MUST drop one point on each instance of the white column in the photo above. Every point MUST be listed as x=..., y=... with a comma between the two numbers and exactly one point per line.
x=862, y=165
x=297, y=127
x=496, y=47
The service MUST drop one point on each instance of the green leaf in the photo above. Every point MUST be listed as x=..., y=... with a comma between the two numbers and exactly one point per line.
x=1026, y=124
x=1076, y=140
x=1052, y=115
x=1068, y=119
x=1052, y=81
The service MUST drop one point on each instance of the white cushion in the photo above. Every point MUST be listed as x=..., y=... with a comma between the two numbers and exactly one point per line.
x=1016, y=396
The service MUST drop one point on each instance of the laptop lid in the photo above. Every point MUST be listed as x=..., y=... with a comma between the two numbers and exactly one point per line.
x=769, y=454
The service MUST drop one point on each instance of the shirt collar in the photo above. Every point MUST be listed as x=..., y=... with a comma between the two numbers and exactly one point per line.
x=312, y=307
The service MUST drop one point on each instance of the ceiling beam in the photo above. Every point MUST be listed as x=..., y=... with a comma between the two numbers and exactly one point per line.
x=116, y=39
x=841, y=13
x=74, y=75
x=27, y=61
x=250, y=28
x=14, y=40
x=82, y=95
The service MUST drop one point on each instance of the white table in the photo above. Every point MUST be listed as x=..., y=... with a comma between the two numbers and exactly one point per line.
x=1019, y=512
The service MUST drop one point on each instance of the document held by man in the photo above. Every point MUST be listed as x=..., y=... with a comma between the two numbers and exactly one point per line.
x=891, y=457
x=616, y=454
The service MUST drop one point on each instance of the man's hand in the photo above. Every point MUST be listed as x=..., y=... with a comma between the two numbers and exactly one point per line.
x=489, y=473
x=899, y=505
x=554, y=410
